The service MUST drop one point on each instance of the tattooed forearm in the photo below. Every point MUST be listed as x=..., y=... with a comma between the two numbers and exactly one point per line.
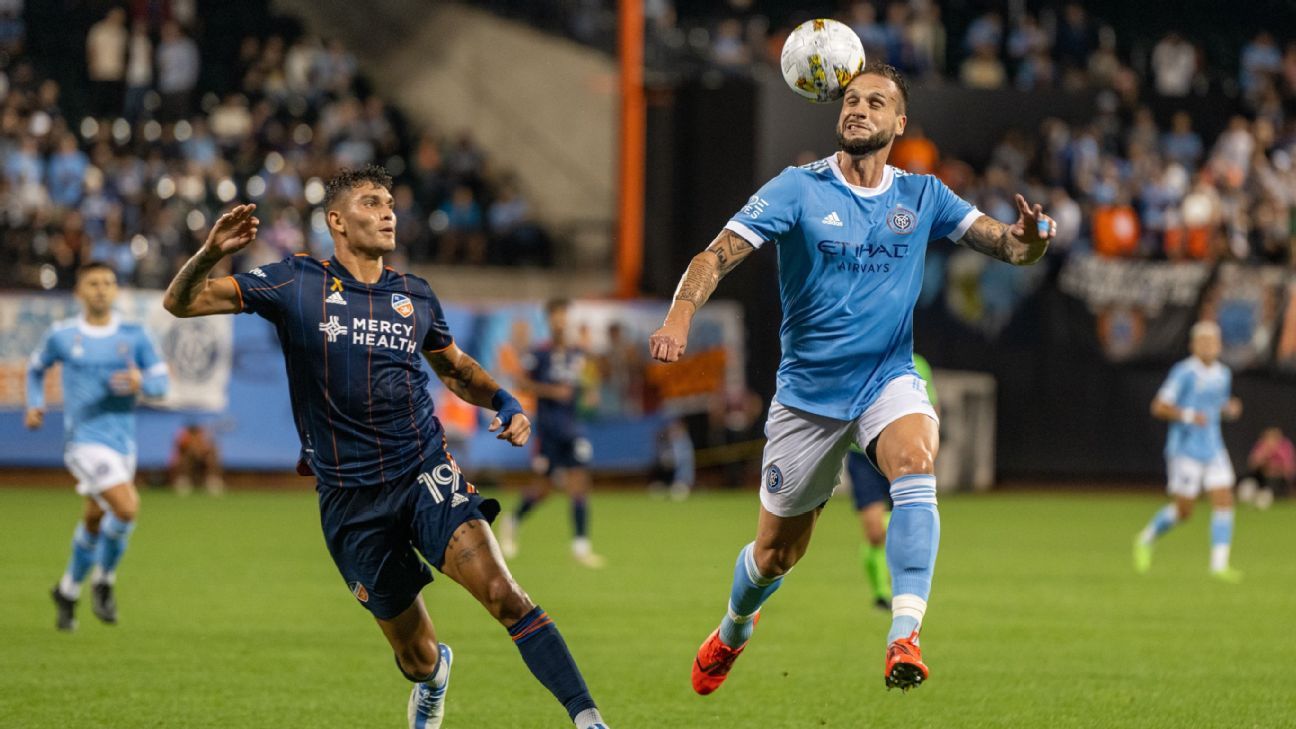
x=463, y=376
x=708, y=267
x=994, y=239
x=188, y=283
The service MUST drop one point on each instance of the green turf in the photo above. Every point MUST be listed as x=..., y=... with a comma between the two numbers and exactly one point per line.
x=232, y=616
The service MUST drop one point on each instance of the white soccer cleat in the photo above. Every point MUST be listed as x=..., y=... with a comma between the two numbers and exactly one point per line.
x=426, y=708
x=583, y=553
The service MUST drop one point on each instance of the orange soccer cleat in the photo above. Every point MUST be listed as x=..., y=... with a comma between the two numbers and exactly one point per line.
x=904, y=666
x=714, y=659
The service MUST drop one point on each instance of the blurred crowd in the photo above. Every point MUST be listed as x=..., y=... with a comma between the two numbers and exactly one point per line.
x=139, y=180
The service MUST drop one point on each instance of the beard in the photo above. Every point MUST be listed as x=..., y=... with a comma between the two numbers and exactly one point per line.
x=867, y=145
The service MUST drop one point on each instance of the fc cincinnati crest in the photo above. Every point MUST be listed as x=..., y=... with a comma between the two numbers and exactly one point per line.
x=402, y=305
x=773, y=479
x=360, y=592
x=901, y=220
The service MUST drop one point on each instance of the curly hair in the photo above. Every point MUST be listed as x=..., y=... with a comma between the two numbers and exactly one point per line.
x=348, y=179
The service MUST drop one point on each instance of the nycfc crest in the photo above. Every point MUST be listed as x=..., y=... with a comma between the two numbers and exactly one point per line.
x=773, y=479
x=901, y=220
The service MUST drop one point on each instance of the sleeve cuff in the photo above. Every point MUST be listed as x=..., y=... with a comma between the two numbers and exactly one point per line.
x=745, y=233
x=238, y=291
x=965, y=224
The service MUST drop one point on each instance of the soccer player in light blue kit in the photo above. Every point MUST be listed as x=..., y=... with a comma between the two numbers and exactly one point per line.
x=1194, y=398
x=851, y=233
x=107, y=364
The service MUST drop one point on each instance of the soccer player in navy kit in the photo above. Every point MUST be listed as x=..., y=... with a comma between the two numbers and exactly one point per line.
x=352, y=331
x=553, y=375
x=851, y=233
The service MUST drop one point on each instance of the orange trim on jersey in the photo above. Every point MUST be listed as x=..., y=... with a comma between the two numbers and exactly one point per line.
x=434, y=351
x=301, y=254
x=238, y=290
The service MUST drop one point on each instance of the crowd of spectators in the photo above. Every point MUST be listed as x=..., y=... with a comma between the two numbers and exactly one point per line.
x=138, y=181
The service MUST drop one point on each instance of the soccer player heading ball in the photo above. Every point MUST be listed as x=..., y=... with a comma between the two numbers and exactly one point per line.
x=353, y=332
x=850, y=233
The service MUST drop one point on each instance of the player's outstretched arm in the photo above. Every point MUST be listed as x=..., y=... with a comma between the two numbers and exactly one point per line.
x=463, y=376
x=699, y=281
x=1021, y=243
x=191, y=293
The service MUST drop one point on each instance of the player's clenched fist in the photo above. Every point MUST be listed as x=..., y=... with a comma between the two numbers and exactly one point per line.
x=667, y=344
x=518, y=431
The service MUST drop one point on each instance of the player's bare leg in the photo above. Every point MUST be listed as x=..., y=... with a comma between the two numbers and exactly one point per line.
x=578, y=484
x=906, y=451
x=532, y=495
x=115, y=527
x=1221, y=530
x=473, y=559
x=780, y=544
x=423, y=661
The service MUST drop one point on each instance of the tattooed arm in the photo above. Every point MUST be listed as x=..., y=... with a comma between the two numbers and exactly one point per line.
x=191, y=293
x=695, y=287
x=1021, y=243
x=463, y=376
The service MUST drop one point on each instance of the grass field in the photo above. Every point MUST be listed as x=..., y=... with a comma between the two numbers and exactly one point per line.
x=233, y=616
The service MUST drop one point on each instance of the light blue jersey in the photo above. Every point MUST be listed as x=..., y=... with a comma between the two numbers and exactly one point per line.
x=850, y=271
x=1205, y=389
x=92, y=412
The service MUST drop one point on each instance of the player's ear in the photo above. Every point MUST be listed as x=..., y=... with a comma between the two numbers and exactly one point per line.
x=335, y=222
x=901, y=121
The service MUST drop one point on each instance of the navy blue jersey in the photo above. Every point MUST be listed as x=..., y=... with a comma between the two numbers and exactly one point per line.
x=551, y=366
x=355, y=373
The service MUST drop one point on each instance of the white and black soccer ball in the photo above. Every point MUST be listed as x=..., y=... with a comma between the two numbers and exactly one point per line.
x=820, y=58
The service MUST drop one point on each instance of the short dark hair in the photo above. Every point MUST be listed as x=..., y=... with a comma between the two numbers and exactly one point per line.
x=94, y=265
x=886, y=70
x=553, y=305
x=349, y=179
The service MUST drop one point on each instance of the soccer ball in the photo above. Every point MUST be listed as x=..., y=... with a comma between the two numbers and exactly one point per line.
x=820, y=57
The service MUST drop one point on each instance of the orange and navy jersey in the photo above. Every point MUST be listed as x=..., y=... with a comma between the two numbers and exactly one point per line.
x=353, y=352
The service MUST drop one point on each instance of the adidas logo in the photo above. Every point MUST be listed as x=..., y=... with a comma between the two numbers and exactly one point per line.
x=833, y=219
x=336, y=297
x=458, y=500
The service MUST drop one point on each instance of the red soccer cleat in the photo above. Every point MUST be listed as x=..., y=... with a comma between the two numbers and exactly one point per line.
x=714, y=659
x=904, y=666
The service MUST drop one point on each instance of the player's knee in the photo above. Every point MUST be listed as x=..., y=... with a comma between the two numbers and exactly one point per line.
x=912, y=460
x=875, y=533
x=127, y=512
x=506, y=600
x=1184, y=509
x=776, y=561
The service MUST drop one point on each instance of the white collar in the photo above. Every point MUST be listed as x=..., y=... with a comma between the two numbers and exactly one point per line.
x=1206, y=369
x=888, y=174
x=105, y=330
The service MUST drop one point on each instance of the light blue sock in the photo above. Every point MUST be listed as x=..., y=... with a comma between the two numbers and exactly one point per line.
x=84, y=546
x=1221, y=533
x=114, y=534
x=912, y=540
x=1162, y=521
x=750, y=590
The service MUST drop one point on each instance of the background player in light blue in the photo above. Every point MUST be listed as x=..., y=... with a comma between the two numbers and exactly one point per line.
x=850, y=233
x=107, y=364
x=1194, y=398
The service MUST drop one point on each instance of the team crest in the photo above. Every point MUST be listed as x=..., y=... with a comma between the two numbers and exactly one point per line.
x=902, y=220
x=402, y=304
x=773, y=479
x=360, y=592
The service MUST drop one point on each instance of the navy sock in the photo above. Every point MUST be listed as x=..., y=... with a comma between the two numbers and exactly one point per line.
x=580, y=517
x=545, y=652
x=528, y=503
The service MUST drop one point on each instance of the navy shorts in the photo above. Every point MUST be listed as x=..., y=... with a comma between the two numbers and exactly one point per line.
x=377, y=533
x=868, y=485
x=561, y=450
